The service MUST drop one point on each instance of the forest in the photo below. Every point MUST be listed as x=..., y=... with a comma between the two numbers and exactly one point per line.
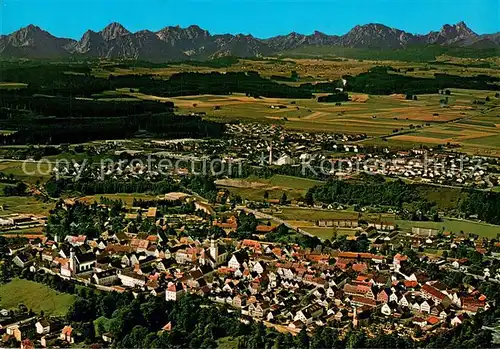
x=380, y=81
x=77, y=130
x=486, y=205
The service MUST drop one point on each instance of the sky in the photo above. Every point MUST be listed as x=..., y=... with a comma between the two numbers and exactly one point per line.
x=261, y=18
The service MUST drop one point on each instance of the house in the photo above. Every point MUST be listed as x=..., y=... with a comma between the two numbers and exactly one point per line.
x=105, y=277
x=174, y=292
x=14, y=331
x=307, y=314
x=361, y=301
x=386, y=309
x=258, y=309
x=238, y=259
x=239, y=301
x=107, y=337
x=457, y=320
x=424, y=231
x=387, y=295
x=67, y=334
x=167, y=327
x=434, y=294
x=131, y=279
x=419, y=321
x=399, y=260
x=22, y=260
x=42, y=326
x=432, y=320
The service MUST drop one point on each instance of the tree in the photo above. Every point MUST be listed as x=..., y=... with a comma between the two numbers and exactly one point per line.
x=284, y=199
x=302, y=339
x=309, y=199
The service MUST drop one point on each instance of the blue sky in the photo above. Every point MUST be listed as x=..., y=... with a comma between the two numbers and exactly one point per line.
x=262, y=18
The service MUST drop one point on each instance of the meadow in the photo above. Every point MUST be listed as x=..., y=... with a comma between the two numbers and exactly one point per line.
x=454, y=225
x=253, y=188
x=34, y=296
x=23, y=204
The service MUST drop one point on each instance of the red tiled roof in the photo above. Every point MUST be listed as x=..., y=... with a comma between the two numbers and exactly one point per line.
x=364, y=300
x=433, y=320
x=410, y=283
x=433, y=292
x=67, y=330
x=400, y=257
x=264, y=228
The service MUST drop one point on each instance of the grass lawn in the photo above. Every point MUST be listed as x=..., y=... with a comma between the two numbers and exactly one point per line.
x=127, y=199
x=294, y=182
x=305, y=214
x=327, y=233
x=12, y=85
x=30, y=172
x=454, y=225
x=23, y=204
x=35, y=296
x=253, y=188
x=227, y=343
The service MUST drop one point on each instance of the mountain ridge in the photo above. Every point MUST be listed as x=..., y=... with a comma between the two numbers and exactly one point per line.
x=176, y=43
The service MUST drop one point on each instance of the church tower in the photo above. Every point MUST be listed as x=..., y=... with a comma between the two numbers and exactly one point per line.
x=72, y=264
x=355, y=318
x=270, y=153
x=214, y=250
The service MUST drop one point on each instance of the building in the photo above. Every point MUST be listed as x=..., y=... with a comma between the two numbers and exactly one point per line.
x=42, y=326
x=105, y=277
x=67, y=334
x=131, y=279
x=174, y=292
x=78, y=263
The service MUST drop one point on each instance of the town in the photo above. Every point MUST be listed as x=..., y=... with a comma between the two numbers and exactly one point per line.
x=268, y=273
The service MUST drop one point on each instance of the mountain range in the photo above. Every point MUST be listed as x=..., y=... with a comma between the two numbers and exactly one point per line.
x=193, y=42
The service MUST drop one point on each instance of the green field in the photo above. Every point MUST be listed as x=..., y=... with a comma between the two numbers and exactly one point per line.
x=127, y=199
x=34, y=296
x=12, y=85
x=23, y=204
x=227, y=343
x=253, y=188
x=454, y=225
x=30, y=172
x=305, y=214
x=294, y=182
x=327, y=233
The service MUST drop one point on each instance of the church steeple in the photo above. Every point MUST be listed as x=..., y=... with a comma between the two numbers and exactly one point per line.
x=214, y=250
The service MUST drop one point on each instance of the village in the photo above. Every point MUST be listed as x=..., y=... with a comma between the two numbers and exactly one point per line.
x=258, y=146
x=377, y=277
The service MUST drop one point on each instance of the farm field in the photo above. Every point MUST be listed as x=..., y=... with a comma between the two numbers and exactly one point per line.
x=415, y=122
x=386, y=120
x=454, y=225
x=34, y=296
